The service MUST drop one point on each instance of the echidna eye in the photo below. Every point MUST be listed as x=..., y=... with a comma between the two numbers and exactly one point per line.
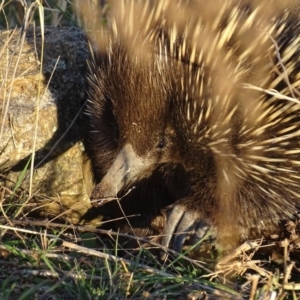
x=161, y=143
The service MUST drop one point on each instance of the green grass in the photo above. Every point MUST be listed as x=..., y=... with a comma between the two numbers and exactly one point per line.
x=68, y=262
x=41, y=259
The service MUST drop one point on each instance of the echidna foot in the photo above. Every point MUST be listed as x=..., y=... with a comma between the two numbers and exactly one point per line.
x=181, y=224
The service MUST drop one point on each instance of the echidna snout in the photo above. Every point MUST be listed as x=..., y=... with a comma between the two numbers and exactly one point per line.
x=127, y=167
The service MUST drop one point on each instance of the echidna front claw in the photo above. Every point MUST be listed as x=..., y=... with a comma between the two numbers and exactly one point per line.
x=180, y=224
x=173, y=219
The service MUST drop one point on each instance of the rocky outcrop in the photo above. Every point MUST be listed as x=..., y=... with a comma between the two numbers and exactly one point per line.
x=42, y=94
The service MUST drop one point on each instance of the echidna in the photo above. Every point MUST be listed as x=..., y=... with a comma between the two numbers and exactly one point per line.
x=200, y=93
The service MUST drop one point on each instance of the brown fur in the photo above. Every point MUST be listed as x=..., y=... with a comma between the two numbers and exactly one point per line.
x=218, y=153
